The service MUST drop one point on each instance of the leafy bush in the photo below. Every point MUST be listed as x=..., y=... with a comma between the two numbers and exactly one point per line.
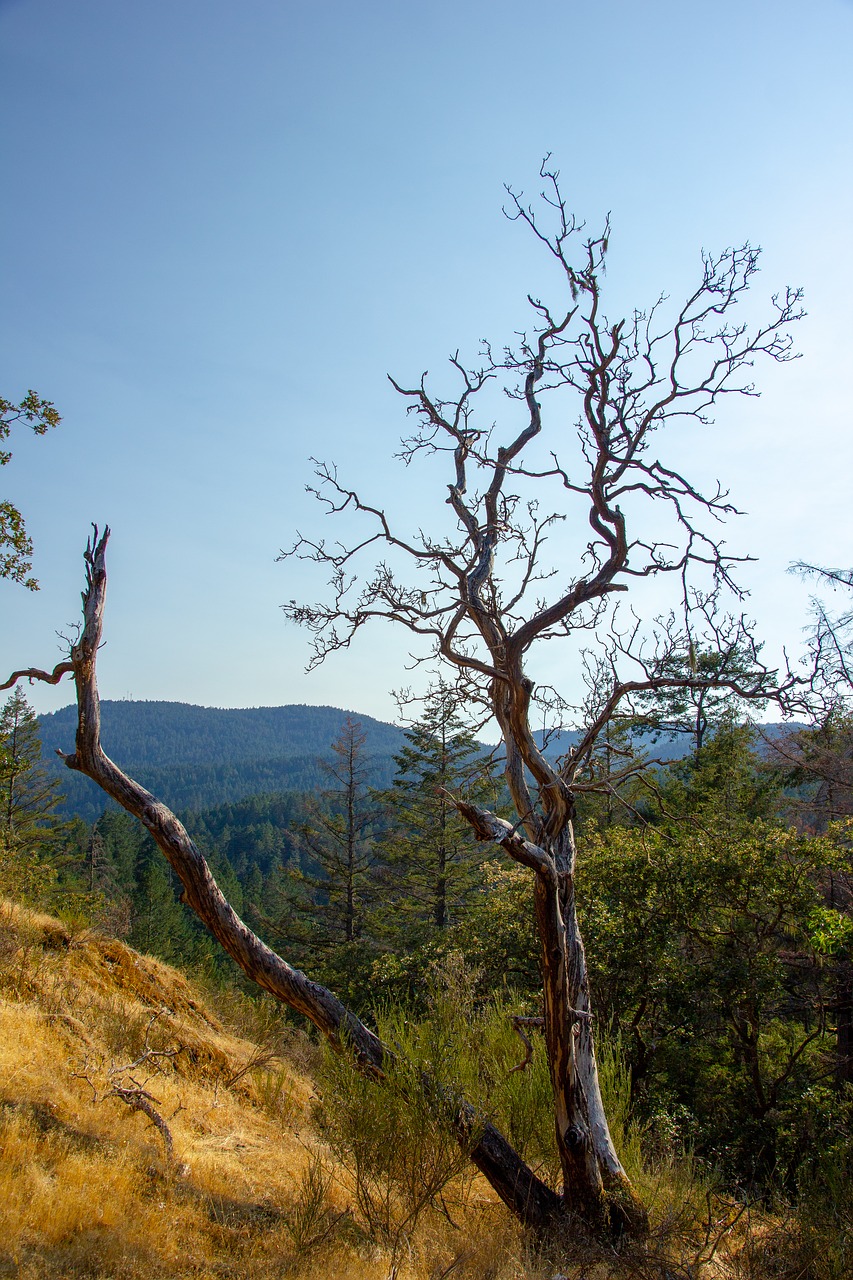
x=395, y=1137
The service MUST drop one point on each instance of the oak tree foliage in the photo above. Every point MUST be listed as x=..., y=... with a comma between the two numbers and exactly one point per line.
x=16, y=547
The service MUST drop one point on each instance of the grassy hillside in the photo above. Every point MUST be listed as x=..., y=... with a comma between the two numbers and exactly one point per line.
x=87, y=1188
x=223, y=1172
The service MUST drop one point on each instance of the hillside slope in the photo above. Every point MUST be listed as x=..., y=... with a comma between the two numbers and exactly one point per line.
x=87, y=1186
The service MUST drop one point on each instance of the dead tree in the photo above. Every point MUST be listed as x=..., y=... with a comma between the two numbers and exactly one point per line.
x=477, y=593
x=480, y=593
x=121, y=1082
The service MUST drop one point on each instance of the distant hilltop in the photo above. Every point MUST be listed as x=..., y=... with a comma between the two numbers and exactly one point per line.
x=162, y=733
x=198, y=757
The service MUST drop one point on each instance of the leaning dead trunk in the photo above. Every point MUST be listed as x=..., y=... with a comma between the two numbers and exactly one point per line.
x=533, y=1203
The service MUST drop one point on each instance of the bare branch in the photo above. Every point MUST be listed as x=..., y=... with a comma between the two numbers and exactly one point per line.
x=33, y=673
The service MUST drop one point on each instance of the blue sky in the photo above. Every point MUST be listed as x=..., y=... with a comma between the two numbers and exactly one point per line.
x=223, y=225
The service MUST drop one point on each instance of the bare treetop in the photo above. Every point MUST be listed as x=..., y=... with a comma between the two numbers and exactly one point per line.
x=587, y=400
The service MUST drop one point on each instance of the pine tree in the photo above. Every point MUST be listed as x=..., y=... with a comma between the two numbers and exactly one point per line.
x=432, y=862
x=159, y=925
x=28, y=800
x=338, y=837
x=318, y=903
x=697, y=712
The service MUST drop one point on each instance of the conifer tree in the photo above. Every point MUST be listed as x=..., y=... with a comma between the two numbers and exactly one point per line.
x=432, y=860
x=28, y=800
x=28, y=794
x=319, y=902
x=338, y=837
x=159, y=926
x=696, y=710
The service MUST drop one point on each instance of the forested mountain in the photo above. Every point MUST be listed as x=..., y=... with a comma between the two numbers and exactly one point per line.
x=165, y=733
x=200, y=757
x=196, y=758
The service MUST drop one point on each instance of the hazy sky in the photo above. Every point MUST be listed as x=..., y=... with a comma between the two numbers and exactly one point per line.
x=224, y=223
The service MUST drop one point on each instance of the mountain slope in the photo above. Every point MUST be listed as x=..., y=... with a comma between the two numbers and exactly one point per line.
x=199, y=757
x=196, y=758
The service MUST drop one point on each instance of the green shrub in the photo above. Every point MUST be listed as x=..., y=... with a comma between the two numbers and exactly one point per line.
x=396, y=1137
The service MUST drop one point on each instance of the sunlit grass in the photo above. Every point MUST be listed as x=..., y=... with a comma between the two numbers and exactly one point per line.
x=253, y=1189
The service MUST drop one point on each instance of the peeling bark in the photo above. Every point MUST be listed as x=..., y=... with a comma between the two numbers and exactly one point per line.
x=596, y=1187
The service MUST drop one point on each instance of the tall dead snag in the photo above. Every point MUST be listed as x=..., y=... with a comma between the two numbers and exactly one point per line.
x=481, y=593
x=525, y=1194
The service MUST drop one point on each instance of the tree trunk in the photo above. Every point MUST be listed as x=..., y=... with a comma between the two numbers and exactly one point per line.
x=596, y=1187
x=440, y=889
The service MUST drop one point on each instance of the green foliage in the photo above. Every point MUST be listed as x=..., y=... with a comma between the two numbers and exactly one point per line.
x=53, y=864
x=394, y=1138
x=255, y=834
x=829, y=930
x=816, y=766
x=699, y=710
x=724, y=781
x=28, y=795
x=16, y=547
x=315, y=901
x=25, y=875
x=496, y=938
x=707, y=946
x=159, y=927
x=310, y=1219
x=397, y=1137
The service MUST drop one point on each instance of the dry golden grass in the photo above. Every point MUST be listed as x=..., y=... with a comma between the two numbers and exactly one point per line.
x=87, y=1189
